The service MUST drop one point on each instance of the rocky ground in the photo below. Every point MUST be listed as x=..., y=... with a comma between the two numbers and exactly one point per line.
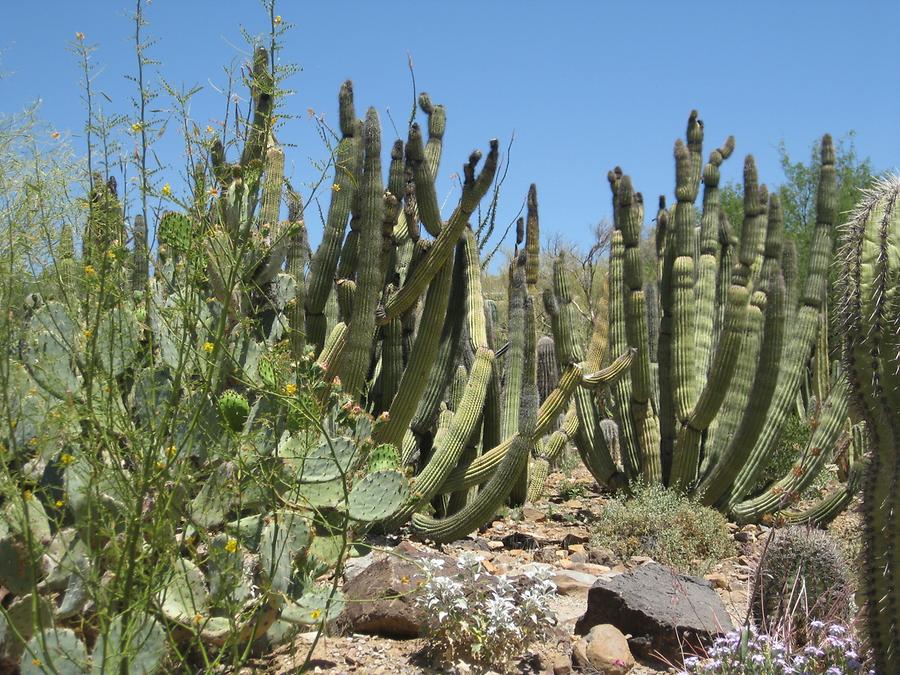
x=553, y=534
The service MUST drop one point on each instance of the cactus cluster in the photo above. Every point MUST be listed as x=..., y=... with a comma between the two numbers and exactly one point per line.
x=721, y=346
x=870, y=317
x=271, y=436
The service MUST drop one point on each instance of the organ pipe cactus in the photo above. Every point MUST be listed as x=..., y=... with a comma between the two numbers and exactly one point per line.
x=870, y=317
x=704, y=414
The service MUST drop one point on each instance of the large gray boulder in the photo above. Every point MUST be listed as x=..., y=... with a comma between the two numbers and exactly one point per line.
x=663, y=611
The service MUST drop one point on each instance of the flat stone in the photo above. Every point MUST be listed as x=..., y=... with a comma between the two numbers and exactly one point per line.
x=660, y=608
x=570, y=582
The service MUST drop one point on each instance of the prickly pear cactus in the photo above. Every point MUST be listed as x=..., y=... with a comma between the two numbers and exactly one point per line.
x=234, y=409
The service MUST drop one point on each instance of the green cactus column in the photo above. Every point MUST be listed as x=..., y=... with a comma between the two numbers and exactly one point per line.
x=346, y=178
x=803, y=332
x=870, y=317
x=355, y=359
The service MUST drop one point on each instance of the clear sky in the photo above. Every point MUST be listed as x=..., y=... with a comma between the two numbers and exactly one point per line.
x=584, y=85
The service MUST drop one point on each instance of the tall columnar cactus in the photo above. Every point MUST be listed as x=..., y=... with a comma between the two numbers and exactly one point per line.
x=703, y=407
x=870, y=317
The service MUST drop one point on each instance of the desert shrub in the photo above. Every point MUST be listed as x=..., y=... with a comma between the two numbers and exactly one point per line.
x=667, y=526
x=830, y=649
x=802, y=576
x=482, y=619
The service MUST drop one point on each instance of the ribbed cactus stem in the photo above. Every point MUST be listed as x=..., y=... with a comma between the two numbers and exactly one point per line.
x=532, y=241
x=354, y=364
x=527, y=387
x=474, y=188
x=297, y=259
x=446, y=455
x=870, y=318
x=547, y=367
x=421, y=358
x=343, y=189
x=492, y=495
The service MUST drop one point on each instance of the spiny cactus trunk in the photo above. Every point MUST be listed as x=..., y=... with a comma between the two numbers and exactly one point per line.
x=870, y=316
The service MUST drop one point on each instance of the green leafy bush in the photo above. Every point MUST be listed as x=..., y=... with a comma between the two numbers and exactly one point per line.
x=666, y=526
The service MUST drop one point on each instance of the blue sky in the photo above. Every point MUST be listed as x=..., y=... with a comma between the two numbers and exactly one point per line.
x=583, y=85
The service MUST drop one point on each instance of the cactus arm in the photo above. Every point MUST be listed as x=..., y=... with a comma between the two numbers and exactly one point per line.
x=426, y=195
x=473, y=190
x=421, y=358
x=355, y=359
x=527, y=387
x=827, y=509
x=445, y=456
x=515, y=357
x=833, y=415
x=636, y=412
x=532, y=241
x=441, y=373
x=708, y=262
x=684, y=377
x=297, y=258
x=324, y=262
x=437, y=125
x=591, y=445
x=480, y=509
x=744, y=410
x=627, y=417
x=498, y=488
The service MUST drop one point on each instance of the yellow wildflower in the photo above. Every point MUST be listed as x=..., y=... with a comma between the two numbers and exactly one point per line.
x=166, y=190
x=136, y=127
x=89, y=270
x=209, y=129
x=336, y=188
x=88, y=333
x=54, y=135
x=110, y=255
x=208, y=347
x=171, y=451
x=198, y=618
x=27, y=495
x=60, y=503
x=315, y=614
x=213, y=192
x=278, y=19
x=231, y=545
x=290, y=389
x=67, y=459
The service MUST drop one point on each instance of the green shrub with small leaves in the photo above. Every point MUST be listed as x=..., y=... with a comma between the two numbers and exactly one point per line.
x=666, y=526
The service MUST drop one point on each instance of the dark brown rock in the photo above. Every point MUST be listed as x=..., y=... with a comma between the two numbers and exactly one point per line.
x=661, y=609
